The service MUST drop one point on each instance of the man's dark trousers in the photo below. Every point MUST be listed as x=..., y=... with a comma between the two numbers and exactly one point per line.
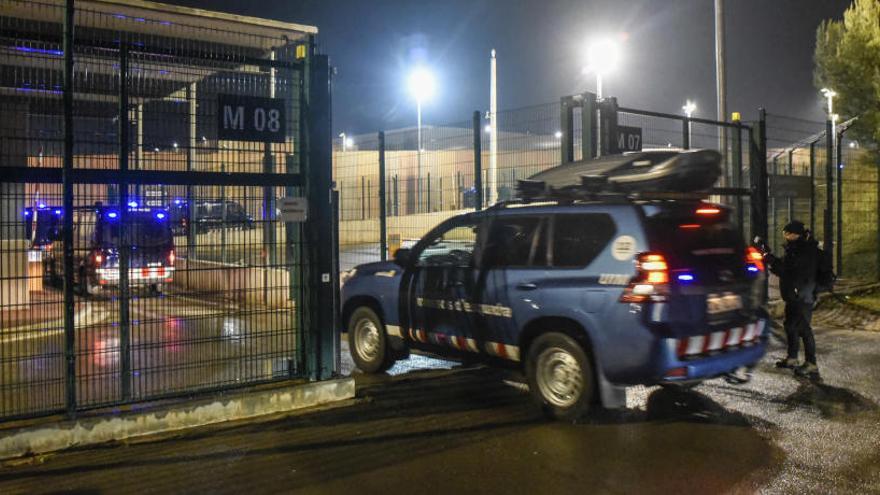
x=798, y=317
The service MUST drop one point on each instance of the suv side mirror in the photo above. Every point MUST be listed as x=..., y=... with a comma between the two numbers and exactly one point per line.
x=401, y=256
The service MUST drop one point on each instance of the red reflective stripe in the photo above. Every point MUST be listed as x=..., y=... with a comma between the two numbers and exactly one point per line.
x=682, y=346
x=501, y=350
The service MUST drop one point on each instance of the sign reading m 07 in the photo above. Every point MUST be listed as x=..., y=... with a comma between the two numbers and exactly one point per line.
x=251, y=118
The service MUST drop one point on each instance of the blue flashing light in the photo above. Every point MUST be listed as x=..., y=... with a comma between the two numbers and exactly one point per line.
x=160, y=215
x=112, y=214
x=41, y=206
x=685, y=277
x=58, y=212
x=44, y=51
x=27, y=213
x=177, y=201
x=132, y=204
x=752, y=269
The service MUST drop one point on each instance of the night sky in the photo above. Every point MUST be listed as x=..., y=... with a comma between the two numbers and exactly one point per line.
x=667, y=56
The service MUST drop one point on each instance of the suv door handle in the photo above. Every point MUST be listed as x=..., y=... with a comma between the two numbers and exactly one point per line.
x=526, y=286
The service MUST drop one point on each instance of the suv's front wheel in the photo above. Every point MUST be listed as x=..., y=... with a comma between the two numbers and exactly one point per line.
x=368, y=342
x=560, y=376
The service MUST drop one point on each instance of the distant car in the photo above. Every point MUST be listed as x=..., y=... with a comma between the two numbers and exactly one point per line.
x=98, y=237
x=210, y=215
x=586, y=296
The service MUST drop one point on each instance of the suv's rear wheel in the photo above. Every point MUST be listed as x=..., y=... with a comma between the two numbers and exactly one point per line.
x=560, y=376
x=368, y=342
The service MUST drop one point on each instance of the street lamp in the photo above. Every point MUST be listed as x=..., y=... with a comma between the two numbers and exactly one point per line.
x=603, y=55
x=347, y=142
x=421, y=86
x=689, y=108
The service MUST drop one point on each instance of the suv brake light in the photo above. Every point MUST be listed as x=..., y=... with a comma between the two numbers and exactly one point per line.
x=754, y=260
x=99, y=258
x=651, y=280
x=171, y=258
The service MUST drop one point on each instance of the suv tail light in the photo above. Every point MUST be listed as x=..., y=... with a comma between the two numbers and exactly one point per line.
x=171, y=258
x=651, y=280
x=754, y=260
x=99, y=258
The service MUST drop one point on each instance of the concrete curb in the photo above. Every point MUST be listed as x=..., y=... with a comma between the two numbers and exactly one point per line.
x=41, y=439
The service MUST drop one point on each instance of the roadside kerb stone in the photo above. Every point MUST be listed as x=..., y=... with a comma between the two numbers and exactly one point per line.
x=45, y=438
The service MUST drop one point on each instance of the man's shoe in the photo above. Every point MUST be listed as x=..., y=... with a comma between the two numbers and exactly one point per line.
x=788, y=363
x=808, y=370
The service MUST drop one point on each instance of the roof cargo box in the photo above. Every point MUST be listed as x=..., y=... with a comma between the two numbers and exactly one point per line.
x=660, y=171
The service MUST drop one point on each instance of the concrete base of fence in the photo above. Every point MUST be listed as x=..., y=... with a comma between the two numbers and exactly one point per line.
x=43, y=438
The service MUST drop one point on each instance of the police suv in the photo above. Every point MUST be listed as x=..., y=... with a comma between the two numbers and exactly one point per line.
x=588, y=288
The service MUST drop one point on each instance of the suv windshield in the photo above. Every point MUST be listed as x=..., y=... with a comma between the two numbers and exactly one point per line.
x=143, y=229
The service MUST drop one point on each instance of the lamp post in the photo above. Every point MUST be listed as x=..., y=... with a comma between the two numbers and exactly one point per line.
x=603, y=56
x=421, y=86
x=689, y=108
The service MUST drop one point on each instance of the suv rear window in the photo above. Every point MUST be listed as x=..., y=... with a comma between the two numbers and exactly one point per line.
x=143, y=230
x=709, y=248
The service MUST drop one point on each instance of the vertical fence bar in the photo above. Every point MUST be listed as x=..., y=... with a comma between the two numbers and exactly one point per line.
x=383, y=221
x=813, y=186
x=828, y=241
x=124, y=247
x=67, y=231
x=478, y=164
x=608, y=127
x=877, y=229
x=758, y=175
x=839, y=166
x=774, y=206
x=790, y=173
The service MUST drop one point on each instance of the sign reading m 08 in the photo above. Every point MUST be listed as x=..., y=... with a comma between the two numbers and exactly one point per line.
x=251, y=118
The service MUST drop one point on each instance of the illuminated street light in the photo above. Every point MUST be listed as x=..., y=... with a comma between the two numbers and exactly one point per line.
x=421, y=86
x=558, y=135
x=603, y=56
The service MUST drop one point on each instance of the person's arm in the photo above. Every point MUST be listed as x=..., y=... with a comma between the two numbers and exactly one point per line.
x=774, y=264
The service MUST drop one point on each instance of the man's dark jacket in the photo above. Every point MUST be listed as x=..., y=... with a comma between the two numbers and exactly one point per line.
x=797, y=270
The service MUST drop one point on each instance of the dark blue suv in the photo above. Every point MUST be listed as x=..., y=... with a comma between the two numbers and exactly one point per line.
x=587, y=297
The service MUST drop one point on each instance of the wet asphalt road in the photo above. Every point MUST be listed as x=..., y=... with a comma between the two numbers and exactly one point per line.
x=469, y=430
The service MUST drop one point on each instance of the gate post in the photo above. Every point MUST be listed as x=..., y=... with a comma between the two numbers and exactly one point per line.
x=839, y=166
x=124, y=247
x=736, y=176
x=813, y=186
x=686, y=133
x=828, y=237
x=383, y=221
x=758, y=175
x=790, y=173
x=321, y=281
x=478, y=164
x=566, y=126
x=589, y=126
x=67, y=230
x=608, y=127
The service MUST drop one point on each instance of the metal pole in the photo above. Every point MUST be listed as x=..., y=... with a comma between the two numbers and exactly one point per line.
x=383, y=221
x=790, y=173
x=839, y=167
x=492, y=178
x=686, y=133
x=589, y=126
x=190, y=165
x=737, y=175
x=813, y=186
x=828, y=241
x=67, y=232
x=418, y=155
x=478, y=164
x=566, y=127
x=720, y=75
x=124, y=246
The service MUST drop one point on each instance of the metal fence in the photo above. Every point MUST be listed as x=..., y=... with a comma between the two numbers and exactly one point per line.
x=839, y=202
x=468, y=165
x=142, y=253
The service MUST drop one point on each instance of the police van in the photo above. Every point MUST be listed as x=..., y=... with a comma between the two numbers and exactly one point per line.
x=98, y=236
x=587, y=291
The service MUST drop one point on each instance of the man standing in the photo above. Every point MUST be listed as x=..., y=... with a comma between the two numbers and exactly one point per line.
x=797, y=284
